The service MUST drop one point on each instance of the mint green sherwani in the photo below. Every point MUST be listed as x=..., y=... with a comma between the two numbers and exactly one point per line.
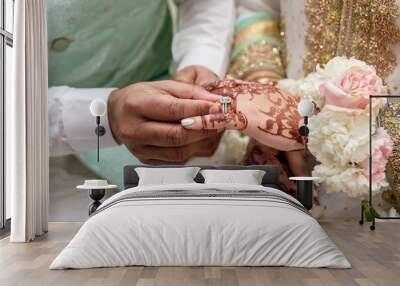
x=103, y=43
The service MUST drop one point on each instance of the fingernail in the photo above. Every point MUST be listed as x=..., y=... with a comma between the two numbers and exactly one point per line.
x=187, y=121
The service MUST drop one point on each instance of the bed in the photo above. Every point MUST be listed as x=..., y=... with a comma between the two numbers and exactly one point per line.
x=201, y=224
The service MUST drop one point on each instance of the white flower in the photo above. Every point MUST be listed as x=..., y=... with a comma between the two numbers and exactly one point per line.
x=309, y=87
x=235, y=144
x=339, y=133
x=290, y=86
x=348, y=179
x=337, y=66
x=339, y=136
x=303, y=88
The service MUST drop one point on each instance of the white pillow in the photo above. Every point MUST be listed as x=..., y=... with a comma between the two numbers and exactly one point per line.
x=248, y=177
x=163, y=176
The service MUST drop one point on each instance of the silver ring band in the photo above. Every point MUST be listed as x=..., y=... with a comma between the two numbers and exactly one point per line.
x=225, y=104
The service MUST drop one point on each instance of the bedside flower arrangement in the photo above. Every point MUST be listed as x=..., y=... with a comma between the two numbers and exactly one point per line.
x=339, y=137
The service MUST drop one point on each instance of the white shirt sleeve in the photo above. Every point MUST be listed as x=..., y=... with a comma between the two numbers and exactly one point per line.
x=204, y=34
x=71, y=125
x=248, y=8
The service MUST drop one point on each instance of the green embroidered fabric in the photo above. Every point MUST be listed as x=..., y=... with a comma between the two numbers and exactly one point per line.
x=106, y=43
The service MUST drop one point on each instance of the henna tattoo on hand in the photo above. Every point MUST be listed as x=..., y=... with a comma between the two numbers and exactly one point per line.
x=282, y=117
x=233, y=88
x=243, y=121
x=203, y=122
x=215, y=118
x=279, y=115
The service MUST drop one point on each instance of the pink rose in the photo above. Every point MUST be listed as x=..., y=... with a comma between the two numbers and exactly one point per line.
x=352, y=90
x=382, y=151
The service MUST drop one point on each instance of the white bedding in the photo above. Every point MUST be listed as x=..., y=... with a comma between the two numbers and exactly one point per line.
x=183, y=231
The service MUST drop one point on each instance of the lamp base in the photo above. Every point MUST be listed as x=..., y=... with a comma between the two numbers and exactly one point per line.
x=96, y=195
x=305, y=193
x=305, y=190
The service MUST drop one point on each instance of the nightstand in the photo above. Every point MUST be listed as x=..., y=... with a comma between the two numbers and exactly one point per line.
x=97, y=190
x=305, y=190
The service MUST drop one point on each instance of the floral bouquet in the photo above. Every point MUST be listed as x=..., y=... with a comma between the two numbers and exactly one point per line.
x=339, y=137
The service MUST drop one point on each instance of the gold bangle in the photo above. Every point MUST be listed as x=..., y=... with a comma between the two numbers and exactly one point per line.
x=261, y=58
x=257, y=52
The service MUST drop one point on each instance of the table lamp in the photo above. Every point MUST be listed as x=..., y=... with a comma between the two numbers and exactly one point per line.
x=305, y=184
x=305, y=108
x=98, y=109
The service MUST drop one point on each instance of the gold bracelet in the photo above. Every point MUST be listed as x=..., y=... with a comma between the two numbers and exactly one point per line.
x=257, y=53
x=261, y=58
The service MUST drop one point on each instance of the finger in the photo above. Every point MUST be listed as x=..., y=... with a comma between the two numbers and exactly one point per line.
x=172, y=109
x=186, y=76
x=165, y=134
x=178, y=154
x=215, y=108
x=185, y=90
x=210, y=121
x=205, y=76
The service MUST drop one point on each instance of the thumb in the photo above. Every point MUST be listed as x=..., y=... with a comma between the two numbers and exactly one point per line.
x=205, y=76
x=186, y=76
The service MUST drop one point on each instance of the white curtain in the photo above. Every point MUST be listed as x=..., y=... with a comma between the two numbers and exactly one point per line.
x=26, y=124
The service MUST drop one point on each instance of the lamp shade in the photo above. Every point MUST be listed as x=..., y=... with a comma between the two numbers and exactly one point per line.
x=98, y=107
x=305, y=107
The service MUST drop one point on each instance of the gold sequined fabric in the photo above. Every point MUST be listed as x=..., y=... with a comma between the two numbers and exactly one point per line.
x=389, y=119
x=364, y=29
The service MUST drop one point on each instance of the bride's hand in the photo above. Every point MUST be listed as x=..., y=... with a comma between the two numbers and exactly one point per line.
x=260, y=111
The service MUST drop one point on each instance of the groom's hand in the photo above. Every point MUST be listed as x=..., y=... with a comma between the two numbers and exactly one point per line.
x=145, y=117
x=195, y=75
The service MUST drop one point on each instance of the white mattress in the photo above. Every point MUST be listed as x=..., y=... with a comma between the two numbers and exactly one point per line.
x=190, y=231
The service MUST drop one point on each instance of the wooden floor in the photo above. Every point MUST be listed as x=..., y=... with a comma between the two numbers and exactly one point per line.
x=375, y=257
